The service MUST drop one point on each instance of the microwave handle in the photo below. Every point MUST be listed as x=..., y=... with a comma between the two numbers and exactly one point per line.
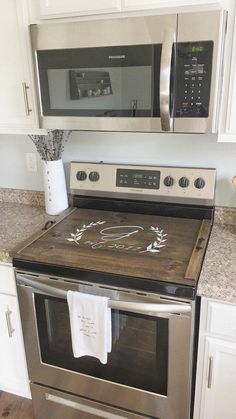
x=150, y=309
x=165, y=75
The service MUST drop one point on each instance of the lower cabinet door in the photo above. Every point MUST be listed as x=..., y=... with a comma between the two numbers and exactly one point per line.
x=13, y=370
x=218, y=399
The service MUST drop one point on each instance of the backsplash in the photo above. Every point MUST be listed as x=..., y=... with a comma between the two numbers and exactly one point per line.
x=138, y=148
x=20, y=196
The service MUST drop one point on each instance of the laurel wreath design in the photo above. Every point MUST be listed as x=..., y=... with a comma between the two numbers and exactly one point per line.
x=155, y=246
x=79, y=232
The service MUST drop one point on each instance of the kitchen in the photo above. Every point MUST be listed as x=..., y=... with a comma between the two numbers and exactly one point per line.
x=145, y=149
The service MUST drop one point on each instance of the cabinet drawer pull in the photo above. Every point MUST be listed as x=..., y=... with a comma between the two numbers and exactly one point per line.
x=8, y=320
x=210, y=370
x=27, y=108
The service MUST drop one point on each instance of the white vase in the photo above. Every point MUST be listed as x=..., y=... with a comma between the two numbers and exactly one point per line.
x=56, y=199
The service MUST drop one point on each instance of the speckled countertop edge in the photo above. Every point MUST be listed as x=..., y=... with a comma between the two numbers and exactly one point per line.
x=26, y=197
x=22, y=217
x=21, y=196
x=218, y=275
x=22, y=214
x=17, y=223
x=225, y=215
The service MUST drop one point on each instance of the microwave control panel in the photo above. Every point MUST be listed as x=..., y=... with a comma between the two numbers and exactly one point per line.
x=193, y=79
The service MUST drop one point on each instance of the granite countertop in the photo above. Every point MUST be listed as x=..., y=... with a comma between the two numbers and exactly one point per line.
x=22, y=214
x=218, y=275
x=17, y=223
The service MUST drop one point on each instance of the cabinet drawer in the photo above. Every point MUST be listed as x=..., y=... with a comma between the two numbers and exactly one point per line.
x=7, y=280
x=221, y=319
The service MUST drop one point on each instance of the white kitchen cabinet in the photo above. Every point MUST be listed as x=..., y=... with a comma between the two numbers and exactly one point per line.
x=13, y=370
x=17, y=101
x=150, y=4
x=219, y=380
x=49, y=9
x=216, y=365
x=66, y=8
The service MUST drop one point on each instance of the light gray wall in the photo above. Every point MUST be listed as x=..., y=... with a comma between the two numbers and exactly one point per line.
x=157, y=149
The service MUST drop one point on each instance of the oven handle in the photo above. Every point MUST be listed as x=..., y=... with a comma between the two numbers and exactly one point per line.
x=141, y=308
x=165, y=75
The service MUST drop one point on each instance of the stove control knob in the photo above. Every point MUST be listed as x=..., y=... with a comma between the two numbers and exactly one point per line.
x=199, y=183
x=94, y=176
x=81, y=175
x=168, y=181
x=183, y=182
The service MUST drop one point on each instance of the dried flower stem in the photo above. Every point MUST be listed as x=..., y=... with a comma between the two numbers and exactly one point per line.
x=50, y=147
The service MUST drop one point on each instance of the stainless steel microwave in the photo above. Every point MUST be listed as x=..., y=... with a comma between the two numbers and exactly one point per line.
x=145, y=74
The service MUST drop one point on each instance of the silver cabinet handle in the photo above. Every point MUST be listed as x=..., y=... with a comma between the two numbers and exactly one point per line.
x=210, y=370
x=150, y=309
x=165, y=74
x=25, y=92
x=8, y=320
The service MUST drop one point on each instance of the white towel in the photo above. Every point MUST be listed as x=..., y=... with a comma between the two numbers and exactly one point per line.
x=90, y=322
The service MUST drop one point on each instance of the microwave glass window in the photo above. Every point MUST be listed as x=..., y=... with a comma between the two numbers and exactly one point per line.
x=139, y=356
x=106, y=91
x=121, y=82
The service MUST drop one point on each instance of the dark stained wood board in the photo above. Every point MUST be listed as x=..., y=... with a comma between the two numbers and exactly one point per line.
x=108, y=251
x=194, y=265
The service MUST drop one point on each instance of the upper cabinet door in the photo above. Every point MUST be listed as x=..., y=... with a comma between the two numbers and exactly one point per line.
x=150, y=4
x=63, y=8
x=227, y=132
x=231, y=104
x=16, y=99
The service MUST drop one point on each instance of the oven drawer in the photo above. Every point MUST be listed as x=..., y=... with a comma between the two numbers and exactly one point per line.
x=53, y=404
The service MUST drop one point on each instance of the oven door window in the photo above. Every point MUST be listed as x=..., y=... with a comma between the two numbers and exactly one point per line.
x=139, y=356
x=106, y=82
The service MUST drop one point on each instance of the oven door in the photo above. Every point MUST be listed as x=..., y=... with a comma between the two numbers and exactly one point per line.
x=149, y=368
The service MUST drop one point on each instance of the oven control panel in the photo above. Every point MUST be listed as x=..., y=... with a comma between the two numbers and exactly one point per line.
x=154, y=183
x=144, y=179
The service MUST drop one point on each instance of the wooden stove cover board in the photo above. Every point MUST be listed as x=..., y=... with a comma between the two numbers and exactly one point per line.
x=146, y=246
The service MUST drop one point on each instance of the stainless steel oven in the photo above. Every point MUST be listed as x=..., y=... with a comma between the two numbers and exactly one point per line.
x=137, y=235
x=146, y=73
x=148, y=373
